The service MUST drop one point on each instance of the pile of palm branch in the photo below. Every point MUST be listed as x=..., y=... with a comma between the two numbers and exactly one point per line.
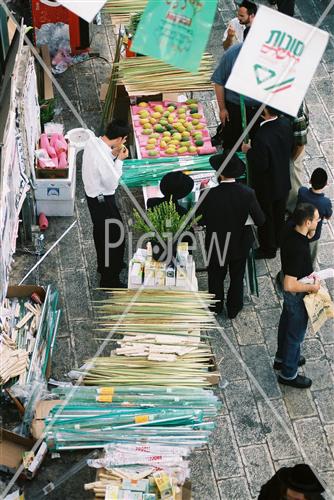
x=145, y=76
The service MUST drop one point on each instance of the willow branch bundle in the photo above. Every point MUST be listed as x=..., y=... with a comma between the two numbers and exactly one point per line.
x=153, y=75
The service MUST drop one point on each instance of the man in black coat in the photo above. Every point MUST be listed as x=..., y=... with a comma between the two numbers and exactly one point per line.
x=225, y=210
x=269, y=164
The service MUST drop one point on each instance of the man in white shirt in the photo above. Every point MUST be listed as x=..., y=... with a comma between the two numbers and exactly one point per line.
x=101, y=171
x=234, y=33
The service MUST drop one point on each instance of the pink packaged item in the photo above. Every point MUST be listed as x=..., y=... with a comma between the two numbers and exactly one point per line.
x=44, y=142
x=53, y=139
x=62, y=163
x=51, y=152
x=59, y=147
x=48, y=162
x=63, y=141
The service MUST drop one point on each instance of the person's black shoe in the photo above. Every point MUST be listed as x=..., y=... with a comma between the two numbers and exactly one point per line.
x=278, y=365
x=272, y=2
x=259, y=253
x=300, y=382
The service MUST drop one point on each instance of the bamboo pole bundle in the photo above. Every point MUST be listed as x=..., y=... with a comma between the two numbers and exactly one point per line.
x=146, y=75
x=185, y=371
x=121, y=7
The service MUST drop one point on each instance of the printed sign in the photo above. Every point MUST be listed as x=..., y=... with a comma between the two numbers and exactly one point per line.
x=87, y=9
x=277, y=60
x=175, y=31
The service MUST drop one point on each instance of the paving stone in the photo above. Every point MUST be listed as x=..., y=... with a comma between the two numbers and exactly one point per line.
x=313, y=441
x=280, y=444
x=325, y=402
x=320, y=123
x=327, y=148
x=203, y=482
x=245, y=418
x=312, y=349
x=329, y=353
x=71, y=252
x=62, y=358
x=267, y=296
x=269, y=318
x=312, y=147
x=326, y=333
x=228, y=362
x=75, y=293
x=85, y=347
x=325, y=255
x=299, y=403
x=270, y=336
x=258, y=465
x=247, y=327
x=234, y=489
x=287, y=462
x=259, y=362
x=320, y=372
x=328, y=478
x=329, y=430
x=227, y=464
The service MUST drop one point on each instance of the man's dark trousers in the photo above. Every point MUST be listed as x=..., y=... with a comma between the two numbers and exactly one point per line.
x=216, y=276
x=233, y=128
x=270, y=233
x=100, y=213
x=291, y=332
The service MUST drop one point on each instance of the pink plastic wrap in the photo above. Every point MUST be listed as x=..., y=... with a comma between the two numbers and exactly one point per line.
x=48, y=162
x=62, y=163
x=54, y=138
x=52, y=152
x=44, y=142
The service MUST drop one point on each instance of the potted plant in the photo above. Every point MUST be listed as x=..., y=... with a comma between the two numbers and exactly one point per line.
x=166, y=222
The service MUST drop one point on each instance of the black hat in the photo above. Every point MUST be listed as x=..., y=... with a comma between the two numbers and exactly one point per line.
x=234, y=168
x=300, y=478
x=176, y=184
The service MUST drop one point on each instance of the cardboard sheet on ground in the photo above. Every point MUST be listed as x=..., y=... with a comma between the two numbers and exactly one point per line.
x=86, y=9
x=278, y=60
x=169, y=30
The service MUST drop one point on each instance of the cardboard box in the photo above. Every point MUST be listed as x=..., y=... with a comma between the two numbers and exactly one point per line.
x=12, y=447
x=25, y=291
x=42, y=410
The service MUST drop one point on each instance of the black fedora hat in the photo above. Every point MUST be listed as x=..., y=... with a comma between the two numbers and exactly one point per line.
x=176, y=184
x=300, y=478
x=234, y=168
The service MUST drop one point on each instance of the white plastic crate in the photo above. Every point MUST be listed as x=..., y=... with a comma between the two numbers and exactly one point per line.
x=57, y=207
x=57, y=189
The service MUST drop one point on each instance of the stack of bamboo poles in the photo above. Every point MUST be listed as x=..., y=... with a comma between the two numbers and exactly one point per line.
x=157, y=325
x=145, y=76
x=122, y=7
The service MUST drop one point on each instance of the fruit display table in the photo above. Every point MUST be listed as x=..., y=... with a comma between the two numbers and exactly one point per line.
x=167, y=129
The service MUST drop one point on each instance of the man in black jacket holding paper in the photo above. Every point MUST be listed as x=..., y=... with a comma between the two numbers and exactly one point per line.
x=225, y=210
x=269, y=166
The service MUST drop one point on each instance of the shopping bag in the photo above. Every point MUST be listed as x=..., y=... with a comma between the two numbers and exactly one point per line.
x=319, y=307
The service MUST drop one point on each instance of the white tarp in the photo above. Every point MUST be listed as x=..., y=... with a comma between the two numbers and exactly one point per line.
x=277, y=60
x=86, y=9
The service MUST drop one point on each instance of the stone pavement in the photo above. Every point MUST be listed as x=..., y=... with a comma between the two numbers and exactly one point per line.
x=249, y=442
